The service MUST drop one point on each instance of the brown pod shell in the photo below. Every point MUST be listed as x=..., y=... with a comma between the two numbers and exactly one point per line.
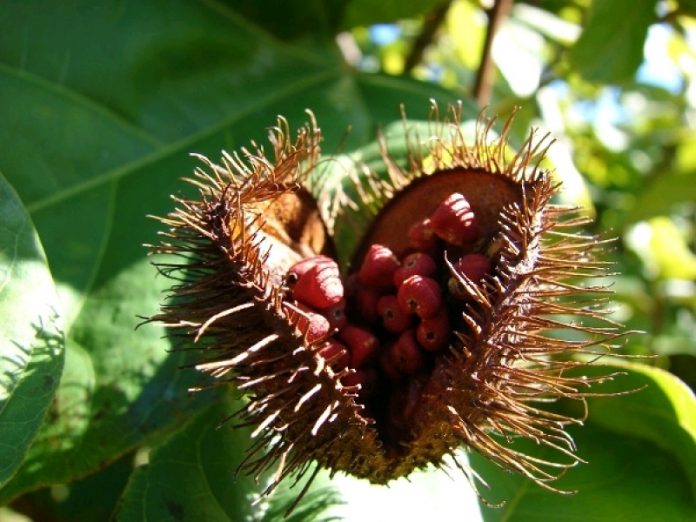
x=256, y=217
x=252, y=223
x=487, y=192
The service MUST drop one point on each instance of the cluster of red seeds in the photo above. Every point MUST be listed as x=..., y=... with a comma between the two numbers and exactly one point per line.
x=392, y=317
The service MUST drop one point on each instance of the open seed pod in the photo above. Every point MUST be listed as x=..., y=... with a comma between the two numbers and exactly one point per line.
x=429, y=339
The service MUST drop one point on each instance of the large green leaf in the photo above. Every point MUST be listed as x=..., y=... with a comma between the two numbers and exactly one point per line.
x=321, y=19
x=610, y=48
x=92, y=498
x=626, y=479
x=365, y=12
x=643, y=441
x=31, y=339
x=663, y=194
x=191, y=477
x=663, y=411
x=101, y=106
x=293, y=19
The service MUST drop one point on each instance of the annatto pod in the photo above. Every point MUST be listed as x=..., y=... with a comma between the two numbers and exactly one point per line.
x=256, y=219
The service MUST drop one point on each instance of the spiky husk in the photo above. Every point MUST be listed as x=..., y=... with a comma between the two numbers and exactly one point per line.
x=254, y=218
x=489, y=386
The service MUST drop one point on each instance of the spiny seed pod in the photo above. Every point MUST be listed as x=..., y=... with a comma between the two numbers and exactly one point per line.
x=256, y=219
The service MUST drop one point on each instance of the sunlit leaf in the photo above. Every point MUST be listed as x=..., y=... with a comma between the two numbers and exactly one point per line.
x=663, y=249
x=364, y=12
x=664, y=194
x=466, y=28
x=625, y=479
x=610, y=48
x=663, y=411
x=191, y=475
x=31, y=337
x=92, y=498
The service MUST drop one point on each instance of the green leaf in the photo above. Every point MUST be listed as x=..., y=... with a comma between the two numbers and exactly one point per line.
x=92, y=498
x=110, y=399
x=610, y=48
x=93, y=146
x=625, y=479
x=191, y=476
x=365, y=12
x=322, y=19
x=661, y=196
x=293, y=19
x=662, y=412
x=31, y=340
x=687, y=7
x=315, y=505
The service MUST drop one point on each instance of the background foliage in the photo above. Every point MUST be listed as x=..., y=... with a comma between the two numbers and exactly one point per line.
x=100, y=104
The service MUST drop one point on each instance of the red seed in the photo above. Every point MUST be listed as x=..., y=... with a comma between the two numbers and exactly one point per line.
x=351, y=285
x=397, y=426
x=363, y=344
x=320, y=286
x=421, y=236
x=366, y=378
x=433, y=334
x=394, y=319
x=365, y=303
x=387, y=365
x=354, y=378
x=369, y=384
x=335, y=354
x=417, y=263
x=454, y=221
x=420, y=295
x=396, y=418
x=336, y=315
x=378, y=267
x=312, y=325
x=414, y=392
x=406, y=355
x=403, y=404
x=474, y=267
x=299, y=268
